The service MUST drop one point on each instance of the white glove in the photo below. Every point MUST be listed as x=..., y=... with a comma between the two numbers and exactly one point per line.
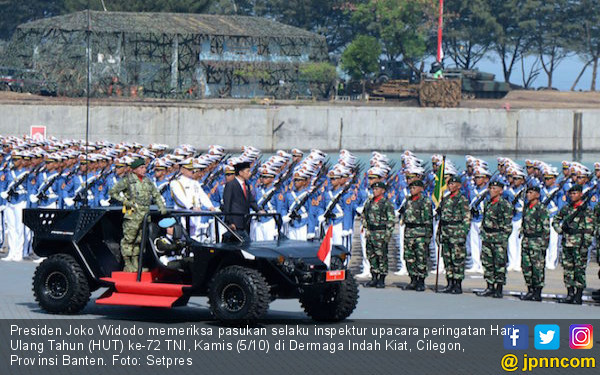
x=286, y=219
x=4, y=195
x=345, y=233
x=359, y=210
x=310, y=236
x=69, y=202
x=321, y=219
x=33, y=198
x=104, y=202
x=52, y=196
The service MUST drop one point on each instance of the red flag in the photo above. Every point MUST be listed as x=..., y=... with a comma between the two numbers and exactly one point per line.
x=324, y=253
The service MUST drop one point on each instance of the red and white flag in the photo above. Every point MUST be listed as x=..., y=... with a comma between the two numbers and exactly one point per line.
x=324, y=253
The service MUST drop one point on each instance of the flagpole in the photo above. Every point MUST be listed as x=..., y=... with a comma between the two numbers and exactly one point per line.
x=440, y=28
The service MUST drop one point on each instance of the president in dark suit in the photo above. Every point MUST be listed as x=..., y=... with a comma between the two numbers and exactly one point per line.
x=238, y=198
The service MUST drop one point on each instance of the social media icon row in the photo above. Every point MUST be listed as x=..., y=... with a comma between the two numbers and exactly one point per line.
x=547, y=336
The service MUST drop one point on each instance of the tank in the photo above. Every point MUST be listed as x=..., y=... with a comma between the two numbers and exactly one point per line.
x=476, y=84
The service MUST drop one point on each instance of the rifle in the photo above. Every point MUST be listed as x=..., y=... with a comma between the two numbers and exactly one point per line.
x=328, y=211
x=482, y=196
x=216, y=172
x=566, y=223
x=12, y=190
x=41, y=195
x=516, y=199
x=267, y=198
x=550, y=197
x=294, y=214
x=83, y=192
x=164, y=186
x=257, y=165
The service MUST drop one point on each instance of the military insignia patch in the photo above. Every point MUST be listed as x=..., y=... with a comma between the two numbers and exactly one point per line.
x=280, y=197
x=64, y=185
x=594, y=198
x=564, y=198
x=100, y=187
x=2, y=178
x=349, y=200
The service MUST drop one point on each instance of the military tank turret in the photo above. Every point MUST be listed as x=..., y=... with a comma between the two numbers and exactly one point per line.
x=477, y=84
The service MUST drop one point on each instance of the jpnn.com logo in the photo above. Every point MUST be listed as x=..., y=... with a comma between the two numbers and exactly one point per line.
x=516, y=337
x=547, y=337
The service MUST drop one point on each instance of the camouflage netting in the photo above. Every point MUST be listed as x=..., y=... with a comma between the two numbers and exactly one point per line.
x=166, y=55
x=443, y=93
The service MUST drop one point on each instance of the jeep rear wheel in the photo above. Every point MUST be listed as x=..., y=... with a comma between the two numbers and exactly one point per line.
x=238, y=294
x=60, y=286
x=332, y=302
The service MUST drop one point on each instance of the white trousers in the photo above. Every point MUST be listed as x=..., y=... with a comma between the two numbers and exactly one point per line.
x=474, y=245
x=552, y=251
x=297, y=233
x=514, y=246
x=266, y=231
x=15, y=231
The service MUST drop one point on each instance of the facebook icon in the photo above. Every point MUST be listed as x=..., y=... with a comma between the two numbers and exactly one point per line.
x=516, y=336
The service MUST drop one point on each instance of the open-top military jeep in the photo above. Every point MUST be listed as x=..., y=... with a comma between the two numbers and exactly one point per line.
x=239, y=276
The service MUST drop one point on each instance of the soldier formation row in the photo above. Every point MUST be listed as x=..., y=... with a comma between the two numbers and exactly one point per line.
x=311, y=193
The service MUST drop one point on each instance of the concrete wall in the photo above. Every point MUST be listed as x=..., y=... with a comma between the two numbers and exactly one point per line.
x=324, y=127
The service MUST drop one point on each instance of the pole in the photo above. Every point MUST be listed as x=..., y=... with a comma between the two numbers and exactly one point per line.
x=440, y=27
x=87, y=114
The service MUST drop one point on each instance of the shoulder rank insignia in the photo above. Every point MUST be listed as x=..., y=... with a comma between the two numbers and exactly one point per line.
x=315, y=202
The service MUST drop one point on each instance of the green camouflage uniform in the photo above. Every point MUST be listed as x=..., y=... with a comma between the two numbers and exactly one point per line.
x=455, y=221
x=536, y=236
x=136, y=199
x=597, y=232
x=577, y=236
x=418, y=219
x=496, y=227
x=379, y=220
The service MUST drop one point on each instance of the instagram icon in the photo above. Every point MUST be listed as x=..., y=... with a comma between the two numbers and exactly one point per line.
x=581, y=336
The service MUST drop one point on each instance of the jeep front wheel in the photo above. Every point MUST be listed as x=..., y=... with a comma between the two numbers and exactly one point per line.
x=332, y=302
x=238, y=294
x=60, y=286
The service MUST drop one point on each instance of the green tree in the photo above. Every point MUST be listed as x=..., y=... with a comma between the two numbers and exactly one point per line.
x=554, y=33
x=320, y=76
x=361, y=58
x=16, y=12
x=511, y=36
x=468, y=29
x=587, y=46
x=402, y=26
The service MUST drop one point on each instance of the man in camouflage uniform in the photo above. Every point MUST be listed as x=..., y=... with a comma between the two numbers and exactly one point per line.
x=535, y=230
x=418, y=218
x=455, y=221
x=138, y=193
x=496, y=227
x=378, y=219
x=575, y=222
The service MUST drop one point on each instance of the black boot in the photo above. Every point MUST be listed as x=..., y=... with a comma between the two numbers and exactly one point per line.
x=412, y=285
x=420, y=284
x=487, y=292
x=457, y=287
x=498, y=292
x=577, y=298
x=570, y=296
x=537, y=294
x=381, y=282
x=449, y=287
x=373, y=282
x=596, y=295
x=529, y=295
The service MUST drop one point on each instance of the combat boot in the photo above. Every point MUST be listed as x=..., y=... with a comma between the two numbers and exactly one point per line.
x=537, y=294
x=498, y=292
x=596, y=295
x=487, y=292
x=373, y=282
x=420, y=284
x=449, y=287
x=570, y=296
x=577, y=300
x=529, y=295
x=412, y=285
x=381, y=282
x=457, y=287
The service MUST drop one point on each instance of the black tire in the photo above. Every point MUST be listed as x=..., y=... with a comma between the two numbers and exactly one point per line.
x=238, y=294
x=333, y=302
x=60, y=286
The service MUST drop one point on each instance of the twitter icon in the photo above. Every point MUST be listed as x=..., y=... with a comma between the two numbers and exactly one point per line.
x=547, y=337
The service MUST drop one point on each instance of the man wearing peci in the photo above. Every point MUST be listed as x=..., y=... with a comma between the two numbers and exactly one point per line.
x=238, y=199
